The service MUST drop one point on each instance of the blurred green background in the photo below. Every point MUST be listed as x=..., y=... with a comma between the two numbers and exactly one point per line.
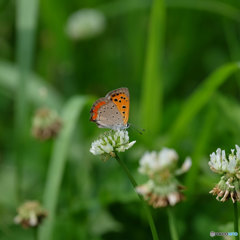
x=179, y=60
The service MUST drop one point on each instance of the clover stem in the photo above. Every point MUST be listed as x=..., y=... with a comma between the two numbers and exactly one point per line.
x=235, y=208
x=35, y=233
x=146, y=208
x=172, y=224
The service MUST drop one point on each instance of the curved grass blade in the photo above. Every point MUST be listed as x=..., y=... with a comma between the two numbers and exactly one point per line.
x=70, y=114
x=199, y=98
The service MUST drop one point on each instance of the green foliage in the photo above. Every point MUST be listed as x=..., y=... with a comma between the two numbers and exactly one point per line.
x=153, y=73
x=58, y=161
x=180, y=61
x=200, y=97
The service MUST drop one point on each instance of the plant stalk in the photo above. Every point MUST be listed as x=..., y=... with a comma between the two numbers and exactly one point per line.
x=172, y=224
x=26, y=22
x=35, y=233
x=134, y=184
x=152, y=86
x=235, y=208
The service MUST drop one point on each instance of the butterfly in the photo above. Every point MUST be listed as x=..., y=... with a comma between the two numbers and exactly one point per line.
x=112, y=111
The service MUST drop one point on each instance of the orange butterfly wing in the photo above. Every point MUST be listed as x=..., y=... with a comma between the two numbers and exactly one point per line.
x=120, y=97
x=94, y=110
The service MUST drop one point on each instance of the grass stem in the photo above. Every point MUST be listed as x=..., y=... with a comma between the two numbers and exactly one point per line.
x=147, y=210
x=25, y=32
x=152, y=92
x=172, y=224
x=235, y=208
x=35, y=233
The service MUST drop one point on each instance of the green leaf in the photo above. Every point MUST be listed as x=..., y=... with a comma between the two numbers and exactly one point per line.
x=70, y=114
x=200, y=98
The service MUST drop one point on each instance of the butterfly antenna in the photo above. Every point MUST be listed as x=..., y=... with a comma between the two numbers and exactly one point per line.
x=140, y=131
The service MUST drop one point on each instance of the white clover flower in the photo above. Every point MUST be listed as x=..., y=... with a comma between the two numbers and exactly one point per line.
x=220, y=164
x=229, y=168
x=162, y=188
x=166, y=157
x=85, y=23
x=148, y=162
x=160, y=195
x=110, y=142
x=153, y=162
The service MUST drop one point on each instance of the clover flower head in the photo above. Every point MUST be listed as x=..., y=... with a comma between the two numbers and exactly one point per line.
x=155, y=162
x=161, y=195
x=30, y=214
x=229, y=168
x=85, y=23
x=46, y=124
x=162, y=188
x=111, y=142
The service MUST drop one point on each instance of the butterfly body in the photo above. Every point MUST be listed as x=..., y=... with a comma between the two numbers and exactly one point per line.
x=112, y=111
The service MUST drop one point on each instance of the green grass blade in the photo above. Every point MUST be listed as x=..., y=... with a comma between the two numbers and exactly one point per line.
x=70, y=114
x=25, y=27
x=199, y=98
x=172, y=224
x=153, y=73
x=37, y=90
